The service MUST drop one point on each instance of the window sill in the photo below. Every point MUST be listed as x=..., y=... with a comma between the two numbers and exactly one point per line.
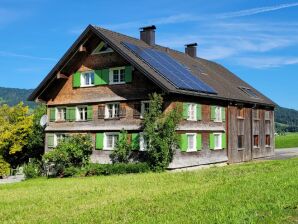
x=256, y=119
x=112, y=118
x=117, y=83
x=267, y=146
x=240, y=118
x=241, y=149
x=218, y=121
x=256, y=147
x=60, y=121
x=87, y=86
x=81, y=120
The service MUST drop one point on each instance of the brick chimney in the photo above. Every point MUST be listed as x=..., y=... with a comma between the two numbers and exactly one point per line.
x=191, y=49
x=147, y=34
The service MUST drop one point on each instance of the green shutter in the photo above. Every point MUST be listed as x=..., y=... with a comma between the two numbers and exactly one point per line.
x=183, y=142
x=99, y=141
x=223, y=113
x=213, y=113
x=211, y=141
x=76, y=80
x=89, y=113
x=71, y=113
x=199, y=112
x=224, y=140
x=128, y=74
x=199, y=142
x=105, y=76
x=52, y=114
x=185, y=110
x=135, y=141
x=97, y=77
x=50, y=140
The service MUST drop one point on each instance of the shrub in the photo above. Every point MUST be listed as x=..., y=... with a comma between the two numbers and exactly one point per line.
x=123, y=149
x=71, y=171
x=4, y=168
x=32, y=169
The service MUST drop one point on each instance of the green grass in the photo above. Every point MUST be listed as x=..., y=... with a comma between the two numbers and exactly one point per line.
x=259, y=192
x=290, y=140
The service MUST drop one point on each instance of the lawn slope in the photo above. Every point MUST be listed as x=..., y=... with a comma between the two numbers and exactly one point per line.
x=263, y=192
x=289, y=140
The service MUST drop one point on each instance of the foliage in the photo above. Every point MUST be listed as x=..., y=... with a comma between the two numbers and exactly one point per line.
x=286, y=120
x=160, y=134
x=72, y=171
x=4, y=167
x=122, y=151
x=32, y=169
x=288, y=140
x=73, y=151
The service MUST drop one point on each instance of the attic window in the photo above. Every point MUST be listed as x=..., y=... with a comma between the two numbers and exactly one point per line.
x=102, y=48
x=249, y=92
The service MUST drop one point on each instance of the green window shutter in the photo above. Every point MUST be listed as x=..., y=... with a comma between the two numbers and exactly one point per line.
x=89, y=113
x=50, y=140
x=183, y=142
x=97, y=78
x=199, y=142
x=128, y=74
x=76, y=80
x=71, y=113
x=135, y=141
x=185, y=110
x=99, y=141
x=223, y=113
x=105, y=76
x=52, y=114
x=199, y=112
x=213, y=113
x=211, y=141
x=224, y=140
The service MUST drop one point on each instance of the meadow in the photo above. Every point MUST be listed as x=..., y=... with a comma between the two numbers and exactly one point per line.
x=255, y=192
x=289, y=140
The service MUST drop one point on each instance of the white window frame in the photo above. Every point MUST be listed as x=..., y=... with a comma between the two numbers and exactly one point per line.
x=56, y=138
x=57, y=112
x=194, y=149
x=218, y=114
x=220, y=141
x=143, y=108
x=84, y=79
x=111, y=75
x=78, y=113
x=143, y=143
x=113, y=110
x=194, y=107
x=106, y=134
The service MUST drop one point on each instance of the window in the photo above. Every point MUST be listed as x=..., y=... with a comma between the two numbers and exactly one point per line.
x=191, y=142
x=256, y=114
x=87, y=79
x=256, y=141
x=240, y=112
x=143, y=143
x=59, y=138
x=249, y=92
x=82, y=113
x=218, y=115
x=117, y=75
x=110, y=140
x=240, y=141
x=192, y=111
x=217, y=141
x=144, y=108
x=112, y=110
x=267, y=140
x=267, y=115
x=61, y=114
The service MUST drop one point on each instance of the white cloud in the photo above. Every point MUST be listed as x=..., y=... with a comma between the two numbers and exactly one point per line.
x=266, y=62
x=16, y=55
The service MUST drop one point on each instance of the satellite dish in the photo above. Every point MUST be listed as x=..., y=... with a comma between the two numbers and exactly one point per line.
x=43, y=120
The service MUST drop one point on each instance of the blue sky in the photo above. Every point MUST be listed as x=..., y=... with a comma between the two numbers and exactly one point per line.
x=256, y=39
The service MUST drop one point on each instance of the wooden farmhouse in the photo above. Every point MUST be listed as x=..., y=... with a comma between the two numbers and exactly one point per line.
x=102, y=85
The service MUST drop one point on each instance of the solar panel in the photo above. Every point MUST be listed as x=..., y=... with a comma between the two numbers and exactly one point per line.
x=170, y=69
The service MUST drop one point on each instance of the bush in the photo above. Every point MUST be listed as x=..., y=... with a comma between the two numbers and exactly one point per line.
x=32, y=169
x=118, y=168
x=71, y=171
x=123, y=149
x=4, y=168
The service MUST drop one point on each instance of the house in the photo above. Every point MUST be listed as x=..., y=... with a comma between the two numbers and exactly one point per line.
x=101, y=86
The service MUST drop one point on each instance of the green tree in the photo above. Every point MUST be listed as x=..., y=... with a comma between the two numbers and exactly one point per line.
x=160, y=133
x=122, y=151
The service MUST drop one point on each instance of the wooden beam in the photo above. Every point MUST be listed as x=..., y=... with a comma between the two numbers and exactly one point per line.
x=82, y=48
x=61, y=76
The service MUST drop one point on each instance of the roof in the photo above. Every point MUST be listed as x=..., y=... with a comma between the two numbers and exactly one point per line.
x=223, y=81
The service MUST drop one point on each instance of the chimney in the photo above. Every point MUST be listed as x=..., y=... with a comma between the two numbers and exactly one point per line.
x=147, y=34
x=191, y=49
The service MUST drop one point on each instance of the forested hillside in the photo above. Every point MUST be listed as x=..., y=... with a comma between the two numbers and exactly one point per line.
x=12, y=96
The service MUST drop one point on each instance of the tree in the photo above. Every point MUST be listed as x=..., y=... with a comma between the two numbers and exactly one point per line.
x=122, y=151
x=160, y=133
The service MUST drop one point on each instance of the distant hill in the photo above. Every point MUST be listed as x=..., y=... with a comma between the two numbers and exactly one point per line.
x=286, y=119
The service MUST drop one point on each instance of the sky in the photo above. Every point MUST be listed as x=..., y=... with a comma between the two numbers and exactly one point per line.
x=255, y=39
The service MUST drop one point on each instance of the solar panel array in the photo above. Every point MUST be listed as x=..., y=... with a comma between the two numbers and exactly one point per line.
x=170, y=69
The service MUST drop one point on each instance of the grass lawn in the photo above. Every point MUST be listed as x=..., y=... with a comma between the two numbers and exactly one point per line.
x=258, y=192
x=290, y=140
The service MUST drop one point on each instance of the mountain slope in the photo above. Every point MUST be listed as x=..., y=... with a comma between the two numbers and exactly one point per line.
x=13, y=96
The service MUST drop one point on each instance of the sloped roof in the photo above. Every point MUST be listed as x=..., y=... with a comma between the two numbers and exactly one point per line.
x=224, y=82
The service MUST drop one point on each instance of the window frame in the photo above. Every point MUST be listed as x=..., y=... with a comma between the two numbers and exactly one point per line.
x=218, y=119
x=57, y=139
x=258, y=141
x=194, y=118
x=240, y=112
x=57, y=112
x=220, y=141
x=266, y=145
x=194, y=149
x=256, y=114
x=78, y=117
x=105, y=145
x=82, y=79
x=111, y=75
x=143, y=109
x=242, y=142
x=113, y=110
x=142, y=143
